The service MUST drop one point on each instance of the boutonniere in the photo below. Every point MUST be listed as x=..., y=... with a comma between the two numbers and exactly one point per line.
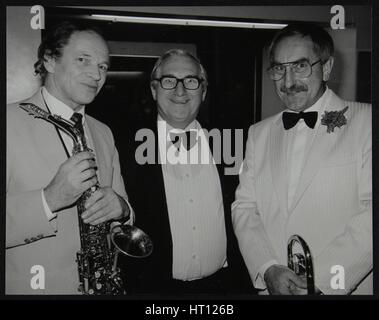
x=332, y=119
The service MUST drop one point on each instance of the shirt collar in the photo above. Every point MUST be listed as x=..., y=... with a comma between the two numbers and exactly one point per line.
x=58, y=107
x=165, y=128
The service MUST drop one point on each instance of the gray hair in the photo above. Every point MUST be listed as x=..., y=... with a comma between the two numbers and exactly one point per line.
x=322, y=42
x=179, y=53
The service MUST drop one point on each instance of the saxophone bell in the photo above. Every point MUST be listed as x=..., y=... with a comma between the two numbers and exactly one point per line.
x=131, y=241
x=301, y=262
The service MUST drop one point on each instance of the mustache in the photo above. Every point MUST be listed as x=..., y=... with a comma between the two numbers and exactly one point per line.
x=293, y=89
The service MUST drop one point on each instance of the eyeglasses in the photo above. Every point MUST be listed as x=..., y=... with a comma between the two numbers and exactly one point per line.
x=170, y=82
x=301, y=68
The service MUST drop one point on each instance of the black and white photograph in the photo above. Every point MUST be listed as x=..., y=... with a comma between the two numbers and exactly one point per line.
x=181, y=152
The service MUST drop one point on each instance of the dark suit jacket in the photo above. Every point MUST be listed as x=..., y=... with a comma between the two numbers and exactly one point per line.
x=145, y=188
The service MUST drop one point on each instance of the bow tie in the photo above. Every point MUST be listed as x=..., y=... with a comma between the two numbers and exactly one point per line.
x=189, y=139
x=291, y=118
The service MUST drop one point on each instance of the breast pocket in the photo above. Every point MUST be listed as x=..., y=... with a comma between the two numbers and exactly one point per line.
x=336, y=184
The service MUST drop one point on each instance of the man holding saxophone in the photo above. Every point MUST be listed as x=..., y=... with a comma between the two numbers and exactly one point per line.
x=307, y=173
x=45, y=179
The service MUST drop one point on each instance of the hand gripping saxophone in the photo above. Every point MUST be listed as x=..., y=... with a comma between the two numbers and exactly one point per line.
x=97, y=260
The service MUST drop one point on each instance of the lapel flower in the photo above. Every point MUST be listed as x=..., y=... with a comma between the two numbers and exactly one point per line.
x=332, y=119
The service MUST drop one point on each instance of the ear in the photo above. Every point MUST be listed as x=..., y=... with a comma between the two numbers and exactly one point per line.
x=49, y=63
x=204, y=94
x=153, y=89
x=327, y=69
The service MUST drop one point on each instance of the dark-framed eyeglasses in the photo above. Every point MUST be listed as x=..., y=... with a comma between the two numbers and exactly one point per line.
x=170, y=82
x=301, y=68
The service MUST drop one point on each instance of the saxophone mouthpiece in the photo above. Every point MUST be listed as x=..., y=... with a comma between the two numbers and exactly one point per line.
x=34, y=110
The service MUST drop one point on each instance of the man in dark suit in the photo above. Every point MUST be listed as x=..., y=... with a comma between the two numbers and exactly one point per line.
x=179, y=193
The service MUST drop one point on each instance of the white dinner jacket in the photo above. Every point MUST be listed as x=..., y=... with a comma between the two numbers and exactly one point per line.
x=332, y=206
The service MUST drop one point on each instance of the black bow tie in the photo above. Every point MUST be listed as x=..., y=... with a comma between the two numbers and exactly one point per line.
x=291, y=118
x=78, y=123
x=189, y=139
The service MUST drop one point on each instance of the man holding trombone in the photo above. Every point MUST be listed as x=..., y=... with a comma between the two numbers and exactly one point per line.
x=307, y=172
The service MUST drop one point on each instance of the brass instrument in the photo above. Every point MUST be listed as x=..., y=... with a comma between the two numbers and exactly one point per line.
x=301, y=263
x=97, y=258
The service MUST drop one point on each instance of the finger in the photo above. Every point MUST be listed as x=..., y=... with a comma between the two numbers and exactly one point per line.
x=295, y=290
x=285, y=284
x=89, y=183
x=81, y=156
x=283, y=289
x=87, y=174
x=99, y=216
x=95, y=208
x=298, y=291
x=280, y=286
x=298, y=281
x=82, y=181
x=96, y=196
x=85, y=165
x=99, y=220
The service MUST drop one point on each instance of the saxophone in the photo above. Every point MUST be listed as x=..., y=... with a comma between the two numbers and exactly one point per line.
x=97, y=261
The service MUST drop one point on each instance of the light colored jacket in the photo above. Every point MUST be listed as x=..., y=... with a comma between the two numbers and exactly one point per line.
x=34, y=154
x=332, y=207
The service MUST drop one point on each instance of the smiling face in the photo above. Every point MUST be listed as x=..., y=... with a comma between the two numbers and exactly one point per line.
x=77, y=76
x=300, y=94
x=179, y=106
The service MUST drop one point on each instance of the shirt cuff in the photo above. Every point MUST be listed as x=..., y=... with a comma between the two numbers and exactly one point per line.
x=259, y=282
x=50, y=215
x=127, y=220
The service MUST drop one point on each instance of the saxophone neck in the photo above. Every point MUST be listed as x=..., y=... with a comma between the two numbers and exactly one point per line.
x=67, y=126
x=79, y=144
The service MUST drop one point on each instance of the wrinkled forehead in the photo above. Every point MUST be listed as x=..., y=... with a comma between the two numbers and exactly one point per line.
x=179, y=66
x=88, y=42
x=293, y=48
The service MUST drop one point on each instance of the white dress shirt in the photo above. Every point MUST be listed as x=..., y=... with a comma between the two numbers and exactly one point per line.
x=299, y=138
x=194, y=203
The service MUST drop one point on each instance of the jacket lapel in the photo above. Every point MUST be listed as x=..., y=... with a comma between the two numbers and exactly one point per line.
x=50, y=148
x=319, y=148
x=157, y=224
